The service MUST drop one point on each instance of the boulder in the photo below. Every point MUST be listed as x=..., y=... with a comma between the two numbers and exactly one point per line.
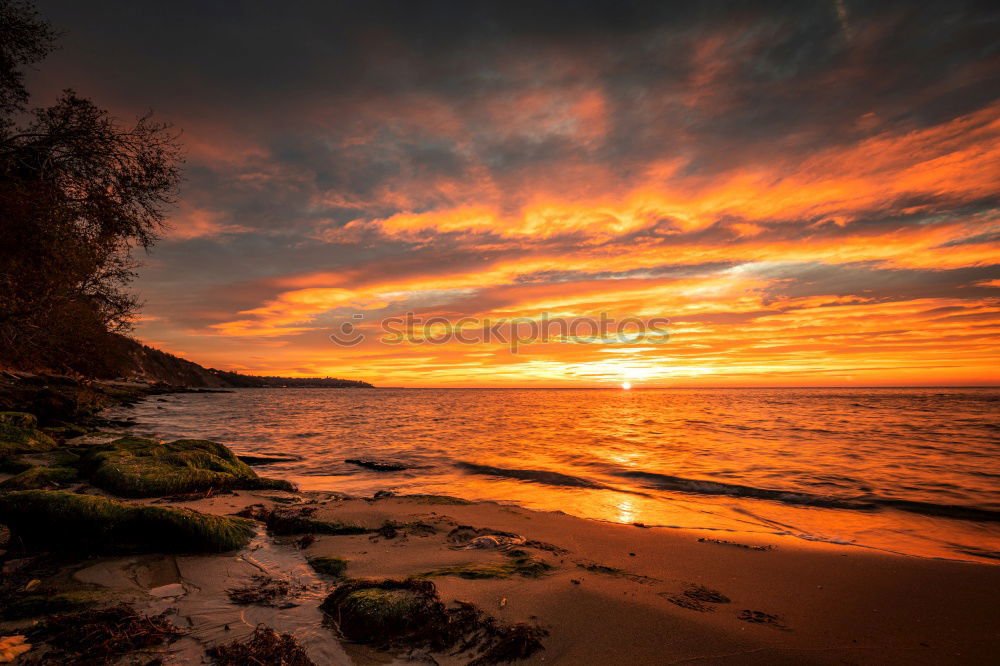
x=64, y=521
x=137, y=467
x=19, y=433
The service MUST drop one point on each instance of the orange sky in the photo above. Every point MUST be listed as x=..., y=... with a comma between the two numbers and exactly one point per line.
x=810, y=197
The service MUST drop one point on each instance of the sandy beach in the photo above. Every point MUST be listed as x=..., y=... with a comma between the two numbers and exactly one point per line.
x=659, y=596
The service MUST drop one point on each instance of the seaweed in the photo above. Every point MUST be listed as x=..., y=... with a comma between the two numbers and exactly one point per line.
x=760, y=617
x=265, y=646
x=524, y=566
x=604, y=569
x=284, y=522
x=390, y=529
x=101, y=636
x=723, y=542
x=697, y=598
x=331, y=566
x=137, y=467
x=263, y=592
x=408, y=614
x=64, y=521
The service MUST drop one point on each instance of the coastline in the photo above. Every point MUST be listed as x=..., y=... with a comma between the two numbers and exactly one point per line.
x=593, y=590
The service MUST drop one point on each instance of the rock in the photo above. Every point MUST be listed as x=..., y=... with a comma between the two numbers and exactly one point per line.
x=383, y=494
x=377, y=613
x=331, y=566
x=409, y=615
x=378, y=465
x=171, y=590
x=269, y=459
x=40, y=477
x=64, y=521
x=137, y=467
x=493, y=542
x=19, y=433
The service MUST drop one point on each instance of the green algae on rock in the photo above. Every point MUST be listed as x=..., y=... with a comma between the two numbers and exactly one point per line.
x=408, y=614
x=40, y=477
x=331, y=566
x=19, y=433
x=137, y=467
x=67, y=521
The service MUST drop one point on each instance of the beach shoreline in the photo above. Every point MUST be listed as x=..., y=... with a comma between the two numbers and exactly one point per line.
x=590, y=591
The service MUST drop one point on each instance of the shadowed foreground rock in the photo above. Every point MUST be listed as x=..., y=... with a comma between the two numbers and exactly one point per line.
x=70, y=522
x=19, y=433
x=408, y=615
x=136, y=467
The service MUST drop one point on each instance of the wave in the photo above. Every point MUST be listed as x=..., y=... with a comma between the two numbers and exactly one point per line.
x=535, y=475
x=704, y=487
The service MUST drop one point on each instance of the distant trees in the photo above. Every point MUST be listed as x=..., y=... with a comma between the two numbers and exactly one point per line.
x=79, y=192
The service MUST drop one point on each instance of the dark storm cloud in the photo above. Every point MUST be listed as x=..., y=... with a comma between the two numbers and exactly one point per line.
x=866, y=280
x=795, y=74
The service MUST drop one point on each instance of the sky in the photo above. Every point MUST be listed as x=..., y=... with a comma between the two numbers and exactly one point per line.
x=807, y=191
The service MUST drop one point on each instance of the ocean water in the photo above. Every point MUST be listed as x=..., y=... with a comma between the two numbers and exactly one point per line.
x=914, y=471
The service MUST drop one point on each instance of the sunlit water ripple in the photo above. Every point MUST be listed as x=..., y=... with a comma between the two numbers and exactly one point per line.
x=909, y=470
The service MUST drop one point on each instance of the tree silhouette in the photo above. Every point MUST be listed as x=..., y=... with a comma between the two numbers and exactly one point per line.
x=79, y=192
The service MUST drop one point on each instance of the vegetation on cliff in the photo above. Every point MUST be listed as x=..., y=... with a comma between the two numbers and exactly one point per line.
x=79, y=192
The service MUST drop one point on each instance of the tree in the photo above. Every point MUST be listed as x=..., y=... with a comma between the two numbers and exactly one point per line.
x=79, y=192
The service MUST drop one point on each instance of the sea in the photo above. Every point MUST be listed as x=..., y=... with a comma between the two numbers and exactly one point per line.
x=914, y=471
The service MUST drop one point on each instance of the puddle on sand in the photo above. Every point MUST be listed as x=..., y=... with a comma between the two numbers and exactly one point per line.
x=196, y=586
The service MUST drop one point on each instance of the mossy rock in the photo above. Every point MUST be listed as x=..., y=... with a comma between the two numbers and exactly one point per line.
x=331, y=566
x=408, y=615
x=19, y=607
x=65, y=521
x=136, y=467
x=19, y=433
x=40, y=477
x=376, y=614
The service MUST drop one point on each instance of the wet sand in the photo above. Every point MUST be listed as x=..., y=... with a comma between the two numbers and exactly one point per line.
x=615, y=593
